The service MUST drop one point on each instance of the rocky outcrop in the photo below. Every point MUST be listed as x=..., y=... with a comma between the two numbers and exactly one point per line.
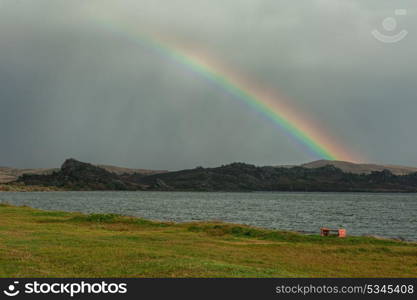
x=12, y=174
x=244, y=177
x=76, y=175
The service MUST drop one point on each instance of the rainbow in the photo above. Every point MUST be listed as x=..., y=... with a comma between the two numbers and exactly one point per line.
x=306, y=133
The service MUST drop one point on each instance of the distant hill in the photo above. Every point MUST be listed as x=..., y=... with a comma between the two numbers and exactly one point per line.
x=355, y=168
x=76, y=175
x=245, y=177
x=11, y=174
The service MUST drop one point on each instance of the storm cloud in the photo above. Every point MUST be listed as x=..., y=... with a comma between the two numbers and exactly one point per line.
x=73, y=86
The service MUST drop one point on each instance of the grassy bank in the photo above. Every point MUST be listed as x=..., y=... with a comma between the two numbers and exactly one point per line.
x=35, y=243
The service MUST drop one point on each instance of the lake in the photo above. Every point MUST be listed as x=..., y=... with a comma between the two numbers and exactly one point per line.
x=386, y=215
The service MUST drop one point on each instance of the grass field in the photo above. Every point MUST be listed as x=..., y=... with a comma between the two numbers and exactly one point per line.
x=35, y=243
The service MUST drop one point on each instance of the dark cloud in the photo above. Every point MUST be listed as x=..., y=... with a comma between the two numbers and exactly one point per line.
x=71, y=87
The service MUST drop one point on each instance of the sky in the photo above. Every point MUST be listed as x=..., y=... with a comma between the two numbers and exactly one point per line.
x=74, y=83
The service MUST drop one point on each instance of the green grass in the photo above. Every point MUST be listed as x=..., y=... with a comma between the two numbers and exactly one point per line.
x=35, y=243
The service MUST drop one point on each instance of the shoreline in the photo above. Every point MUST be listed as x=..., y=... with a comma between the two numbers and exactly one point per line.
x=25, y=188
x=9, y=187
x=300, y=232
x=39, y=243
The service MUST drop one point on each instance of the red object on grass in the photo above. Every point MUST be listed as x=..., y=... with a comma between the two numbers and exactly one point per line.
x=324, y=231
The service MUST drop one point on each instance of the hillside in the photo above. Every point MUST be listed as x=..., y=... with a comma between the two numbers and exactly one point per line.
x=355, y=168
x=244, y=177
x=122, y=170
x=75, y=175
x=11, y=174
